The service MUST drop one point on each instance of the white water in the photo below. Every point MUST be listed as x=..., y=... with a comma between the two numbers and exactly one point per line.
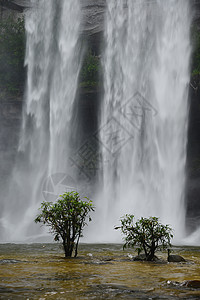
x=143, y=126
x=144, y=116
x=53, y=63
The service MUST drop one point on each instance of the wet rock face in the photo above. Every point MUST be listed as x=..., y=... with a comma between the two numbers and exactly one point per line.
x=193, y=163
x=197, y=12
x=93, y=23
x=93, y=15
x=93, y=12
x=15, y=5
x=193, y=149
x=22, y=3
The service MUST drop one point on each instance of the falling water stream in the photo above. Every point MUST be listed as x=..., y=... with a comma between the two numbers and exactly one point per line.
x=53, y=63
x=143, y=119
x=144, y=115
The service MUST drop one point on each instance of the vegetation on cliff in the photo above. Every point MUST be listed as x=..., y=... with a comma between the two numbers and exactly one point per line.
x=12, y=51
x=89, y=76
x=195, y=76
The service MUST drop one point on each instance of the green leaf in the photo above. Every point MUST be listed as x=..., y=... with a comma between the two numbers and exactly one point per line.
x=147, y=234
x=66, y=218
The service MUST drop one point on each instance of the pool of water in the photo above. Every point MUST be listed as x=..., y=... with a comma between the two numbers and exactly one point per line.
x=40, y=271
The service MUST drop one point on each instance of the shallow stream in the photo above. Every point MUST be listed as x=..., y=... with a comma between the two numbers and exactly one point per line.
x=40, y=271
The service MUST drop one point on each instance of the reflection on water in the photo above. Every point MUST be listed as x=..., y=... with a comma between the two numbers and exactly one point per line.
x=38, y=271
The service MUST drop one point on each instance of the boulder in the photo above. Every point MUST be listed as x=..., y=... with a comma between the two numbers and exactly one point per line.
x=175, y=258
x=194, y=284
x=142, y=257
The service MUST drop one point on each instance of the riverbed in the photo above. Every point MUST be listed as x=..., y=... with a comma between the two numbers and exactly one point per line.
x=101, y=271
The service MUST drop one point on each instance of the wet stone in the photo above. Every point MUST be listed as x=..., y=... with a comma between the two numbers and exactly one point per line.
x=195, y=284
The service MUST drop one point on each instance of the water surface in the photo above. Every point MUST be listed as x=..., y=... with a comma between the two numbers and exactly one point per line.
x=40, y=271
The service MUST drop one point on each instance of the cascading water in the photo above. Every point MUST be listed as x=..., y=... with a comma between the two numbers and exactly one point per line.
x=143, y=125
x=53, y=63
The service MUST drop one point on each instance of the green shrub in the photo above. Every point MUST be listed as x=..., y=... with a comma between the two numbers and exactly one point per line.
x=90, y=70
x=66, y=219
x=146, y=234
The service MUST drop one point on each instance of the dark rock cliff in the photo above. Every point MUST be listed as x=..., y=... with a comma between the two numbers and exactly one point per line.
x=193, y=148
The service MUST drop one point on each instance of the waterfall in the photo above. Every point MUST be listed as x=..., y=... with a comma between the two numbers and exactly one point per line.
x=53, y=64
x=143, y=119
x=144, y=114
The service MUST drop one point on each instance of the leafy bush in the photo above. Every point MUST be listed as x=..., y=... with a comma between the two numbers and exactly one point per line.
x=66, y=219
x=196, y=53
x=90, y=70
x=146, y=234
x=195, y=74
x=12, y=49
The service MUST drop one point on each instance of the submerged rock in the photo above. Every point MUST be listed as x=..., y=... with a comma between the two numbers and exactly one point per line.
x=195, y=284
x=142, y=257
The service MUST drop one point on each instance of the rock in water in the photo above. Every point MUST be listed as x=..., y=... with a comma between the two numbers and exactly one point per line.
x=142, y=257
x=194, y=284
x=175, y=258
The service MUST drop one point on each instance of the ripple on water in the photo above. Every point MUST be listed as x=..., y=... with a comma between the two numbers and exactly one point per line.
x=100, y=272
